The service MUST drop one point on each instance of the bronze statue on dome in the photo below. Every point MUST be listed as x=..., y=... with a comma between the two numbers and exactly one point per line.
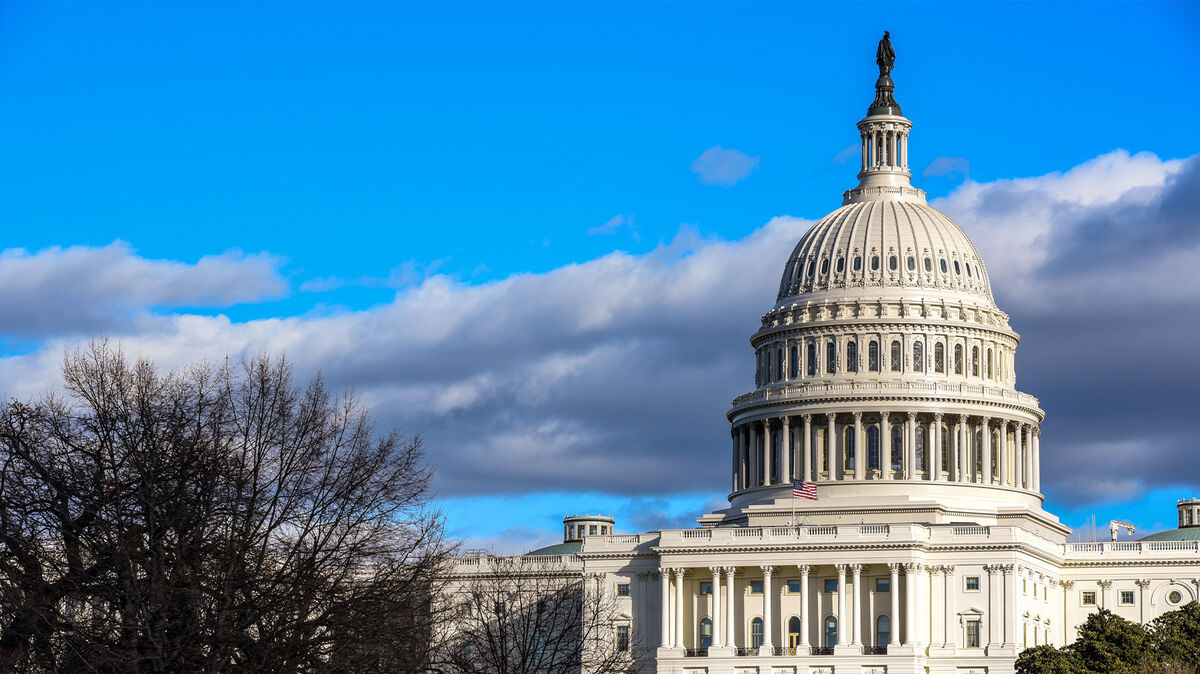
x=885, y=56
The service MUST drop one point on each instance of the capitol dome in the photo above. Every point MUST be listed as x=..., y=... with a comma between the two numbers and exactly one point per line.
x=885, y=373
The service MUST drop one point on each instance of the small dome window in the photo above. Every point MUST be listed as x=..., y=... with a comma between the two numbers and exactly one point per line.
x=812, y=267
x=841, y=264
x=943, y=261
x=874, y=263
x=892, y=263
x=968, y=268
x=928, y=265
x=825, y=266
x=957, y=269
x=912, y=263
x=857, y=263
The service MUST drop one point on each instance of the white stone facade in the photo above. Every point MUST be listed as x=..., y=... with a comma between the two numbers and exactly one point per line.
x=885, y=375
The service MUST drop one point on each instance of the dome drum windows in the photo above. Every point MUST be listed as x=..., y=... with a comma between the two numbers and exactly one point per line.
x=794, y=362
x=873, y=448
x=939, y=358
x=958, y=359
x=873, y=356
x=831, y=357
x=918, y=353
x=811, y=365
x=895, y=356
x=974, y=361
x=852, y=356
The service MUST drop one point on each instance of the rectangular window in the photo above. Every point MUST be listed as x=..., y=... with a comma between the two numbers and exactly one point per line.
x=622, y=589
x=706, y=587
x=592, y=530
x=793, y=587
x=812, y=359
x=973, y=583
x=1088, y=599
x=756, y=587
x=883, y=584
x=1126, y=597
x=622, y=638
x=831, y=357
x=831, y=585
x=972, y=634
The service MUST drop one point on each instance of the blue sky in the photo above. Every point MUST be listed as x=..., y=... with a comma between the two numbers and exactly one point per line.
x=286, y=176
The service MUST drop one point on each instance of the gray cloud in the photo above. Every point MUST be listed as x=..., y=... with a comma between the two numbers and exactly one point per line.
x=85, y=289
x=718, y=166
x=614, y=374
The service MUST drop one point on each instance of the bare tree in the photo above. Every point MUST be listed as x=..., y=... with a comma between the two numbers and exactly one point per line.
x=525, y=615
x=209, y=519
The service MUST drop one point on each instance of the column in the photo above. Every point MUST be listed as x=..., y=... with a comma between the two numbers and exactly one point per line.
x=910, y=455
x=751, y=454
x=806, y=459
x=665, y=582
x=1003, y=459
x=1037, y=460
x=1010, y=602
x=964, y=468
x=734, y=440
x=768, y=450
x=730, y=620
x=1018, y=458
x=866, y=151
x=885, y=446
x=935, y=447
x=803, y=649
x=1029, y=457
x=1142, y=585
x=785, y=451
x=993, y=607
x=857, y=610
x=986, y=431
x=1105, y=585
x=911, y=573
x=895, y=616
x=831, y=446
x=716, y=606
x=951, y=590
x=768, y=621
x=841, y=606
x=679, y=576
x=860, y=454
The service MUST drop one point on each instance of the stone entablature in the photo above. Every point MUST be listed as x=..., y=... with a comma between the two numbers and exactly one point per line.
x=903, y=391
x=902, y=308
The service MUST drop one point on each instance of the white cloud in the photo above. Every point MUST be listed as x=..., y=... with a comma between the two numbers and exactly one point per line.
x=84, y=289
x=609, y=374
x=718, y=166
x=947, y=166
x=612, y=225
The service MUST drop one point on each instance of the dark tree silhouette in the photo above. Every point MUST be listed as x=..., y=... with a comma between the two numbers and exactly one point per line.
x=207, y=519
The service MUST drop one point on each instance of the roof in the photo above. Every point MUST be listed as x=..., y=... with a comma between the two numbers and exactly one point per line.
x=1181, y=534
x=568, y=548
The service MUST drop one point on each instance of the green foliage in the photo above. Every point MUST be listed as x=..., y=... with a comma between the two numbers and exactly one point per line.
x=1109, y=644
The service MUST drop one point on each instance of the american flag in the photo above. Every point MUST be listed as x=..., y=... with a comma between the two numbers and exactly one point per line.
x=806, y=490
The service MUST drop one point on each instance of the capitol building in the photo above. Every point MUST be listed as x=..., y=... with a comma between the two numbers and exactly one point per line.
x=885, y=374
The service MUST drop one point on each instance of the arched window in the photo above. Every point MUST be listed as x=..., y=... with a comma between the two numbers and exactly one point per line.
x=974, y=361
x=979, y=453
x=883, y=631
x=831, y=628
x=793, y=634
x=895, y=355
x=848, y=445
x=756, y=632
x=945, y=448
x=812, y=359
x=830, y=357
x=920, y=448
x=852, y=356
x=873, y=356
x=939, y=358
x=706, y=633
x=918, y=357
x=897, y=446
x=794, y=363
x=873, y=448
x=995, y=453
x=778, y=364
x=958, y=359
x=989, y=363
